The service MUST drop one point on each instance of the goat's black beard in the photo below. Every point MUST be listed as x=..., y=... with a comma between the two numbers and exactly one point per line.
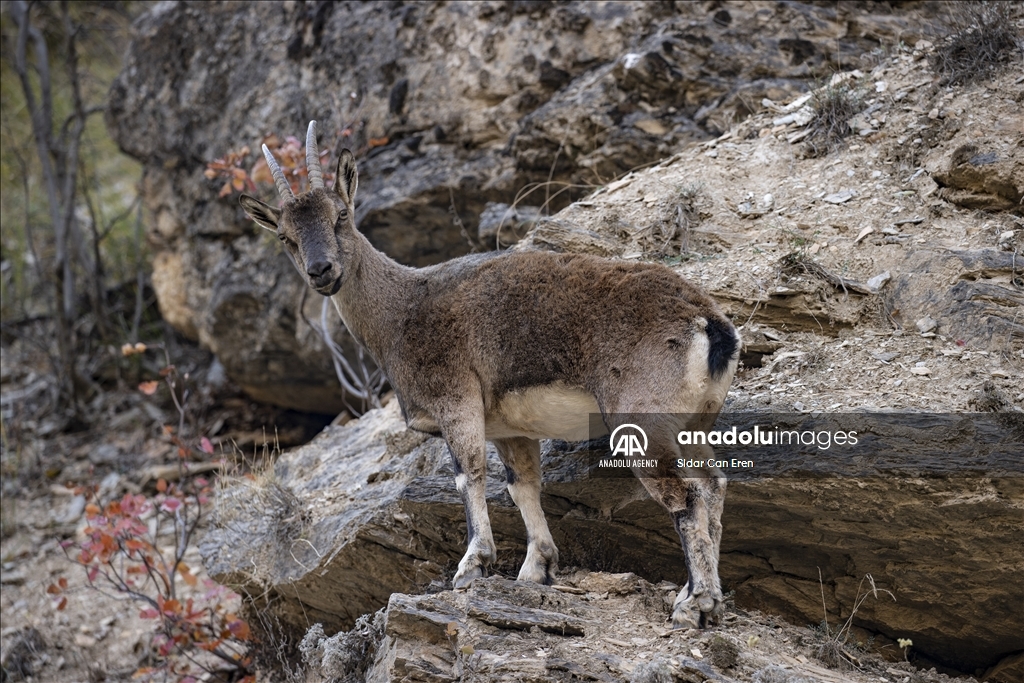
x=331, y=289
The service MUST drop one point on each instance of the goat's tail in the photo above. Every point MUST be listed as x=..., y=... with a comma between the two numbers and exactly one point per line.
x=723, y=345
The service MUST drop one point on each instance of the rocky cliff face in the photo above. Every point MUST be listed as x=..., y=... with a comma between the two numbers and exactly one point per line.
x=475, y=102
x=369, y=510
x=880, y=275
x=811, y=253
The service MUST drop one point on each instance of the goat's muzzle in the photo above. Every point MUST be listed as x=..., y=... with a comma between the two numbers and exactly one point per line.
x=324, y=277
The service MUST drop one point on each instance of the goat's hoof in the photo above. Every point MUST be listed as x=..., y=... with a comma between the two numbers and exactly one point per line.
x=538, y=572
x=697, y=611
x=540, y=565
x=465, y=577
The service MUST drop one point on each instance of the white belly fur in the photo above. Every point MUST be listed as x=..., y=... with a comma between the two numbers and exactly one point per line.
x=553, y=411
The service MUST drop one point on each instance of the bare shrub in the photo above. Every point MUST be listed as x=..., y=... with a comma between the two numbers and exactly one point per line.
x=834, y=650
x=774, y=673
x=982, y=37
x=833, y=105
x=345, y=656
x=724, y=652
x=656, y=671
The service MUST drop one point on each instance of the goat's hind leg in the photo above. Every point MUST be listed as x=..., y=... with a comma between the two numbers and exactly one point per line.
x=469, y=456
x=694, y=499
x=522, y=464
x=699, y=525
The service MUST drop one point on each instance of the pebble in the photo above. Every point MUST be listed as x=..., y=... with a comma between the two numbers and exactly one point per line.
x=863, y=233
x=840, y=197
x=1005, y=241
x=926, y=324
x=83, y=640
x=920, y=371
x=71, y=512
x=878, y=281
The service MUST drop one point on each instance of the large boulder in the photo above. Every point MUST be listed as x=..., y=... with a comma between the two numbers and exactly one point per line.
x=370, y=509
x=465, y=103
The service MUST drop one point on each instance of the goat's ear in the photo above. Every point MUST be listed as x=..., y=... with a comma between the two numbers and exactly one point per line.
x=267, y=216
x=346, y=179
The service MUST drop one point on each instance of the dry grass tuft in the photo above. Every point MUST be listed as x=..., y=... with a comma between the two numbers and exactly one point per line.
x=724, y=653
x=834, y=106
x=347, y=655
x=834, y=650
x=982, y=37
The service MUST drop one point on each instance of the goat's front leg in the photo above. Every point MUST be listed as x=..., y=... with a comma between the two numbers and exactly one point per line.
x=466, y=442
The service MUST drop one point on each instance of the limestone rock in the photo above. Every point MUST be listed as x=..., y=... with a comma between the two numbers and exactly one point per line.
x=987, y=175
x=465, y=103
x=370, y=509
x=968, y=293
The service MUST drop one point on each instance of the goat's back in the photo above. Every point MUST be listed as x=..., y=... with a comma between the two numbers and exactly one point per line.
x=530, y=318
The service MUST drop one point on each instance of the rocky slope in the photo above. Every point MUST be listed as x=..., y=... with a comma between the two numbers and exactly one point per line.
x=591, y=627
x=882, y=273
x=862, y=285
x=473, y=101
x=368, y=510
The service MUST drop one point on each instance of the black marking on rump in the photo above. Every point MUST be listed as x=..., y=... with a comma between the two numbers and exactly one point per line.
x=722, y=346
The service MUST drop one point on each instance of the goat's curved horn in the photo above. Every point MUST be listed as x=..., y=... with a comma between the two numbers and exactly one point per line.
x=313, y=171
x=282, y=183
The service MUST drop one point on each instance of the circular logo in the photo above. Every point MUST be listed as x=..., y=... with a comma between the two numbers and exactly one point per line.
x=628, y=444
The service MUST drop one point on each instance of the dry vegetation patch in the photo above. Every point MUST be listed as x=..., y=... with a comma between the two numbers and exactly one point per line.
x=983, y=37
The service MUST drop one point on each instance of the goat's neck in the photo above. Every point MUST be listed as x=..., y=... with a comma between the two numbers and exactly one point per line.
x=373, y=294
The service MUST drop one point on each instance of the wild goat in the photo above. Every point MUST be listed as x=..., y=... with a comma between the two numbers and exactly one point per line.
x=513, y=347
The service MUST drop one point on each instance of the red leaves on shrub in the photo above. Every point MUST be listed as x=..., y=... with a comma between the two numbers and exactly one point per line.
x=119, y=549
x=290, y=154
